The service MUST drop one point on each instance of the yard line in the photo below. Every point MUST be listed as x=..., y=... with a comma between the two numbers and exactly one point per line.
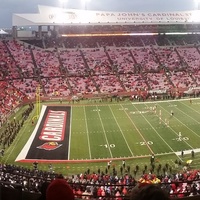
x=70, y=130
x=137, y=129
x=164, y=101
x=159, y=134
x=104, y=132
x=190, y=107
x=87, y=132
x=173, y=129
x=190, y=118
x=121, y=131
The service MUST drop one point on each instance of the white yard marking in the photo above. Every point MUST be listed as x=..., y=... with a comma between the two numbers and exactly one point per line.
x=121, y=131
x=180, y=123
x=70, y=133
x=138, y=130
x=87, y=133
x=188, y=151
x=158, y=133
x=105, y=134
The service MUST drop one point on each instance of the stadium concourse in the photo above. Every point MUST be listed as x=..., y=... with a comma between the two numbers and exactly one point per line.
x=138, y=60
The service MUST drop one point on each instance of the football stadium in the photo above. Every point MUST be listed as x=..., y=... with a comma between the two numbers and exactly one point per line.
x=109, y=102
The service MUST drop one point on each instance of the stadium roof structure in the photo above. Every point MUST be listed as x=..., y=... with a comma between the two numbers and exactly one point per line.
x=60, y=16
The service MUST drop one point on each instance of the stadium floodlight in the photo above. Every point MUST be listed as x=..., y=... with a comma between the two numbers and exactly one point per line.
x=197, y=2
x=63, y=1
x=85, y=3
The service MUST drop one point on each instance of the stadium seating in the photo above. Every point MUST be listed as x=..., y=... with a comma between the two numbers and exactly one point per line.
x=130, y=63
x=105, y=65
x=22, y=183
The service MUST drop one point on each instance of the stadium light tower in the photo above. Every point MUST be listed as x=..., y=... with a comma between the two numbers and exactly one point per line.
x=198, y=4
x=63, y=3
x=85, y=3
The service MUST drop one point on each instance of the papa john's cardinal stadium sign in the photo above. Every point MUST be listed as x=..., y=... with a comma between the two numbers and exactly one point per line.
x=60, y=16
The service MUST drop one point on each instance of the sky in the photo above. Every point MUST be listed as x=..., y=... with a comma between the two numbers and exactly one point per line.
x=8, y=7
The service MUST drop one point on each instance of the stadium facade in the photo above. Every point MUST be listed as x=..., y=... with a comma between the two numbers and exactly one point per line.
x=56, y=17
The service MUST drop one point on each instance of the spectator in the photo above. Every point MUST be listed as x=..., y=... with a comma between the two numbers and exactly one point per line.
x=43, y=191
x=150, y=192
x=59, y=189
x=192, y=152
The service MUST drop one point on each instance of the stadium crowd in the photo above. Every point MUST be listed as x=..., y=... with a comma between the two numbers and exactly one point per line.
x=139, y=67
x=102, y=185
x=101, y=70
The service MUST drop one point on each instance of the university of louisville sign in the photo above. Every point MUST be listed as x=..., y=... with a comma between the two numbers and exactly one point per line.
x=60, y=16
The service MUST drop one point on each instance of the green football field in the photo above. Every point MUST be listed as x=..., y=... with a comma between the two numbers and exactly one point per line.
x=104, y=131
